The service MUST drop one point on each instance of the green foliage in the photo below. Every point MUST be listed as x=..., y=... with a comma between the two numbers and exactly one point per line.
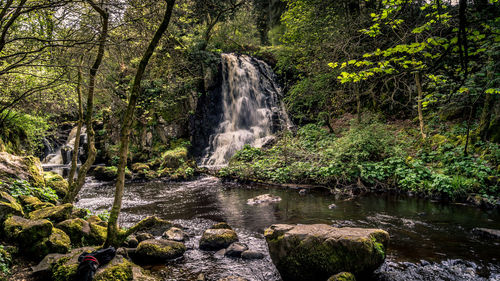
x=5, y=263
x=22, y=187
x=104, y=215
x=374, y=154
x=20, y=131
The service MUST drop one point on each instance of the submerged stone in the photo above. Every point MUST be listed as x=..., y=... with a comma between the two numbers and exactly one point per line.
x=215, y=239
x=235, y=249
x=221, y=225
x=318, y=251
x=159, y=250
x=252, y=255
x=263, y=199
x=175, y=234
x=488, y=233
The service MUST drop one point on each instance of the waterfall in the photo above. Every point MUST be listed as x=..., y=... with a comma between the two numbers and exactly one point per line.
x=63, y=155
x=251, y=109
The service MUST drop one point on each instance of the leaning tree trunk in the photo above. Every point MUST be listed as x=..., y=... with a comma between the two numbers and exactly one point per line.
x=113, y=237
x=78, y=184
x=74, y=160
x=419, y=104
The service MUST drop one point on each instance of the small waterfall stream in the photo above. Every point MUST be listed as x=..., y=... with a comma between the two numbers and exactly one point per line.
x=61, y=158
x=251, y=109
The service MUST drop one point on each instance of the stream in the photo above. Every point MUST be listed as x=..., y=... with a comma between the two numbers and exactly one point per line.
x=429, y=240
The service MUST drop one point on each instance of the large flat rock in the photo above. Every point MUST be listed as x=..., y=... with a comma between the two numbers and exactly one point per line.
x=318, y=251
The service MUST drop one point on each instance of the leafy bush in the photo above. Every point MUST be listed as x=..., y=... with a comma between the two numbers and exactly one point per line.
x=21, y=131
x=374, y=154
x=22, y=187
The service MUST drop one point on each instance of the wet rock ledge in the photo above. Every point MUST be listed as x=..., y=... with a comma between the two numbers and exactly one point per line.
x=319, y=251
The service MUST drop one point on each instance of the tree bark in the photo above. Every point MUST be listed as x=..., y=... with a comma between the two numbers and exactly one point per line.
x=419, y=104
x=74, y=160
x=113, y=236
x=75, y=188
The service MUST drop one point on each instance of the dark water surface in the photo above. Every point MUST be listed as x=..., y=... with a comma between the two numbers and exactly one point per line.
x=429, y=241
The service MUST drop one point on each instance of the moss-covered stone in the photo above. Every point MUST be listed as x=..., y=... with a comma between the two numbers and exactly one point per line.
x=216, y=239
x=64, y=269
x=26, y=231
x=55, y=214
x=136, y=167
x=79, y=213
x=27, y=168
x=121, y=269
x=174, y=158
x=77, y=230
x=97, y=234
x=343, y=276
x=221, y=225
x=315, y=252
x=105, y=173
x=31, y=203
x=152, y=225
x=57, y=242
x=9, y=206
x=159, y=250
x=57, y=183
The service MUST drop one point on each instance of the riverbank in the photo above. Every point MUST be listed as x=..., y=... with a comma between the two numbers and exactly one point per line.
x=372, y=156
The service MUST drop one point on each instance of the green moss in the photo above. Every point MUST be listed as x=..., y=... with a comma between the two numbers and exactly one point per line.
x=59, y=241
x=27, y=231
x=136, y=167
x=174, y=158
x=97, y=234
x=35, y=170
x=153, y=250
x=56, y=213
x=9, y=206
x=77, y=230
x=62, y=271
x=221, y=225
x=119, y=272
x=57, y=183
x=343, y=276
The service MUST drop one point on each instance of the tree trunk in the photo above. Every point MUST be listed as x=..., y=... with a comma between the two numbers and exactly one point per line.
x=74, y=160
x=419, y=104
x=77, y=186
x=113, y=237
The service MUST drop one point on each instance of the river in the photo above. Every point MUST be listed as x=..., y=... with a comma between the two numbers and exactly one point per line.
x=429, y=240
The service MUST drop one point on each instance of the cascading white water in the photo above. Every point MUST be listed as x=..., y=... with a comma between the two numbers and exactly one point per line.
x=57, y=158
x=251, y=108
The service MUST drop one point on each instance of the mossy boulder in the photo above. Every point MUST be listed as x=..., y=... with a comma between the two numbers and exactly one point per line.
x=33, y=203
x=27, y=231
x=159, y=250
x=152, y=225
x=343, y=276
x=138, y=167
x=26, y=168
x=221, y=225
x=216, y=239
x=105, y=173
x=121, y=269
x=57, y=266
x=55, y=214
x=9, y=206
x=82, y=232
x=318, y=251
x=57, y=183
x=175, y=234
x=174, y=158
x=57, y=242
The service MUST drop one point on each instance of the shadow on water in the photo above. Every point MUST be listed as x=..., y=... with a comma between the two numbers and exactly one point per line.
x=429, y=241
